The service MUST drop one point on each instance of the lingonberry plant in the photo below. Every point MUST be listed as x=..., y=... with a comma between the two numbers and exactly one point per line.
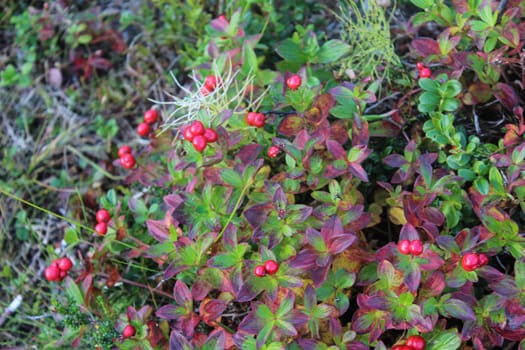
x=385, y=222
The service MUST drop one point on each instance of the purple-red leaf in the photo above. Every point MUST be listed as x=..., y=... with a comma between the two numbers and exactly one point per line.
x=211, y=309
x=181, y=293
x=291, y=125
x=335, y=149
x=158, y=229
x=426, y=47
x=358, y=171
x=394, y=160
x=170, y=312
x=179, y=341
x=506, y=96
x=458, y=309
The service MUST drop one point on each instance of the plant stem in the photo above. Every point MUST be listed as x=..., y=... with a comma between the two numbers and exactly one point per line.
x=138, y=284
x=236, y=207
x=47, y=211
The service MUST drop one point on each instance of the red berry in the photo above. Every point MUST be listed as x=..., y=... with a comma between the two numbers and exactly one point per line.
x=416, y=342
x=271, y=266
x=143, y=129
x=128, y=331
x=103, y=215
x=210, y=135
x=259, y=271
x=273, y=151
x=62, y=274
x=55, y=263
x=401, y=347
x=65, y=264
x=420, y=66
x=124, y=150
x=425, y=73
x=210, y=82
x=250, y=117
x=127, y=161
x=151, y=116
x=199, y=143
x=197, y=128
x=188, y=135
x=205, y=91
x=293, y=82
x=258, y=120
x=52, y=273
x=470, y=261
x=404, y=246
x=483, y=260
x=101, y=228
x=416, y=247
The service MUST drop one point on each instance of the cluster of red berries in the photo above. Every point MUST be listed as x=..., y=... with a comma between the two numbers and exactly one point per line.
x=424, y=72
x=414, y=342
x=150, y=117
x=473, y=261
x=200, y=136
x=210, y=83
x=270, y=267
x=103, y=218
x=255, y=119
x=58, y=269
x=127, y=160
x=273, y=151
x=128, y=331
x=293, y=82
x=414, y=247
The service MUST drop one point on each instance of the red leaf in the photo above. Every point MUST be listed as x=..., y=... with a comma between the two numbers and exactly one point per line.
x=506, y=95
x=155, y=334
x=291, y=125
x=99, y=63
x=158, y=230
x=339, y=131
x=408, y=231
x=211, y=309
x=426, y=47
x=335, y=149
x=320, y=109
x=181, y=293
x=358, y=171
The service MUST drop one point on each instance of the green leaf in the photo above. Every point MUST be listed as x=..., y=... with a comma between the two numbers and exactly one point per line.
x=452, y=88
x=450, y=105
x=291, y=51
x=322, y=311
x=70, y=236
x=264, y=313
x=482, y=185
x=285, y=307
x=73, y=291
x=429, y=85
x=231, y=177
x=332, y=50
x=343, y=112
x=423, y=4
x=223, y=261
x=486, y=15
x=250, y=63
x=264, y=334
x=286, y=327
x=496, y=180
x=84, y=39
x=444, y=341
x=344, y=279
x=519, y=272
